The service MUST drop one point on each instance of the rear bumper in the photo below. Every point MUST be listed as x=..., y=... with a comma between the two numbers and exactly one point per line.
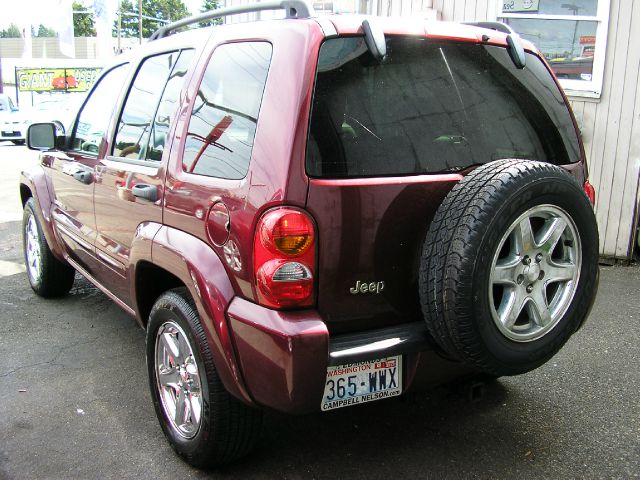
x=284, y=356
x=12, y=131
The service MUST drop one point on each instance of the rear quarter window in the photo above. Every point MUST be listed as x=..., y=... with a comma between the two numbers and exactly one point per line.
x=432, y=106
x=223, y=121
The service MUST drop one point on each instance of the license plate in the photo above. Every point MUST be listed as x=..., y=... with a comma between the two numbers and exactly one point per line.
x=362, y=382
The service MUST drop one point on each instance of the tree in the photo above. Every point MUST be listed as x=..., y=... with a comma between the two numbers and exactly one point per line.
x=210, y=5
x=12, y=31
x=83, y=25
x=46, y=31
x=169, y=10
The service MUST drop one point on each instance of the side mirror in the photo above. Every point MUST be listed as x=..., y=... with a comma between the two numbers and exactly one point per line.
x=41, y=136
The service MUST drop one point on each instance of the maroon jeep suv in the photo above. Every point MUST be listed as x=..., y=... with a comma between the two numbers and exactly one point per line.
x=315, y=212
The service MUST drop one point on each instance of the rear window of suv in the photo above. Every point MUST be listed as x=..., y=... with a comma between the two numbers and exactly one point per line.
x=432, y=106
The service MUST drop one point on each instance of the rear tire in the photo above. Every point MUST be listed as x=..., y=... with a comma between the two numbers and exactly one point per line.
x=492, y=300
x=48, y=276
x=213, y=427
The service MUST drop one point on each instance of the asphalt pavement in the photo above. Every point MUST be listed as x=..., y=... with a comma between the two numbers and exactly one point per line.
x=74, y=401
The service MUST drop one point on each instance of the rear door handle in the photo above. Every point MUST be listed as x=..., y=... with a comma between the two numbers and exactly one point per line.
x=146, y=192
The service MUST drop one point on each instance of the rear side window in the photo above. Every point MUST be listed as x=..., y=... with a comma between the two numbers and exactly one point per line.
x=224, y=117
x=142, y=128
x=432, y=107
x=168, y=106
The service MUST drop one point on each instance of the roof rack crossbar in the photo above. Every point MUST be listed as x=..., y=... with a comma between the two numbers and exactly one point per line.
x=294, y=9
x=498, y=26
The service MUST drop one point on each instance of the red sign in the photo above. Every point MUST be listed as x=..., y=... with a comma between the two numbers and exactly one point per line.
x=587, y=40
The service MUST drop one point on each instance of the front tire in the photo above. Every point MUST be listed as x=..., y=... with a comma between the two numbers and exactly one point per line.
x=202, y=421
x=48, y=276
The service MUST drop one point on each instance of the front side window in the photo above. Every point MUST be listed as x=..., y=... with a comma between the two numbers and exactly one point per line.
x=94, y=117
x=225, y=113
x=571, y=35
x=432, y=107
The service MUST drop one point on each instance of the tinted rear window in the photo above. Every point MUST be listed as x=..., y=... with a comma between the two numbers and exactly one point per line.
x=432, y=107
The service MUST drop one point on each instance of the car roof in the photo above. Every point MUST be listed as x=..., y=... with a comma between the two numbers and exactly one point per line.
x=351, y=24
x=344, y=24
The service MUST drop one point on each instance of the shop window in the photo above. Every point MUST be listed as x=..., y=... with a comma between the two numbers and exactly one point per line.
x=571, y=34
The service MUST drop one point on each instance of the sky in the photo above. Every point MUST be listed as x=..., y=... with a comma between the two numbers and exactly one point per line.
x=43, y=11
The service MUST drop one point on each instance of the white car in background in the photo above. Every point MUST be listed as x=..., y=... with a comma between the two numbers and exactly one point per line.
x=60, y=110
x=13, y=126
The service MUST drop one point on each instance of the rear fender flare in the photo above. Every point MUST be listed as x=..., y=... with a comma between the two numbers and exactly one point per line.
x=196, y=264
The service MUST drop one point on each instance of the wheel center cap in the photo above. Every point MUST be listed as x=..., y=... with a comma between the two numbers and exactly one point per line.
x=532, y=272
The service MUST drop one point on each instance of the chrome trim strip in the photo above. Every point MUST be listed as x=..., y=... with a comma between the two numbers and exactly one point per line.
x=106, y=258
x=384, y=342
x=75, y=238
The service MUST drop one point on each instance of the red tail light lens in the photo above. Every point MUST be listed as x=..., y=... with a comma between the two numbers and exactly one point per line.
x=590, y=191
x=284, y=258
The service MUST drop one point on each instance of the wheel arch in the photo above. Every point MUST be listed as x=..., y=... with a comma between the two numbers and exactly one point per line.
x=25, y=193
x=180, y=259
x=151, y=281
x=33, y=184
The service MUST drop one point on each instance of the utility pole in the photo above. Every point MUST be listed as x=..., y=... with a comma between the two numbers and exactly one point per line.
x=119, y=26
x=140, y=19
x=574, y=8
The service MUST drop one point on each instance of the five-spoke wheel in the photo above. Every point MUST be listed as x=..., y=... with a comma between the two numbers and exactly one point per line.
x=202, y=421
x=178, y=377
x=32, y=248
x=49, y=276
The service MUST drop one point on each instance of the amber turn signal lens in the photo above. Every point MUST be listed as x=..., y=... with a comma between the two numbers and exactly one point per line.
x=294, y=245
x=293, y=234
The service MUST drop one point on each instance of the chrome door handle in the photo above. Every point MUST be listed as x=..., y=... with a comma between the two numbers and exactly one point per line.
x=146, y=192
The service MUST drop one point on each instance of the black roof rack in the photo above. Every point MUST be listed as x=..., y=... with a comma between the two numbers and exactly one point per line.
x=294, y=9
x=498, y=26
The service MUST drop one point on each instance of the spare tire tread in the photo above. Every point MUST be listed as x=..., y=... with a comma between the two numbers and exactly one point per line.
x=438, y=247
x=446, y=287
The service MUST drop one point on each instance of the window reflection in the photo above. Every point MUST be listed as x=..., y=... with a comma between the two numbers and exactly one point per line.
x=168, y=106
x=551, y=7
x=223, y=121
x=134, y=128
x=94, y=117
x=569, y=45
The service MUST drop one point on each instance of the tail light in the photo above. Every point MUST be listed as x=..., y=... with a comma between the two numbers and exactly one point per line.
x=284, y=258
x=590, y=191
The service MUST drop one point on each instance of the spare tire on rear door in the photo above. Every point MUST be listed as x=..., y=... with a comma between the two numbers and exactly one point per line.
x=509, y=268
